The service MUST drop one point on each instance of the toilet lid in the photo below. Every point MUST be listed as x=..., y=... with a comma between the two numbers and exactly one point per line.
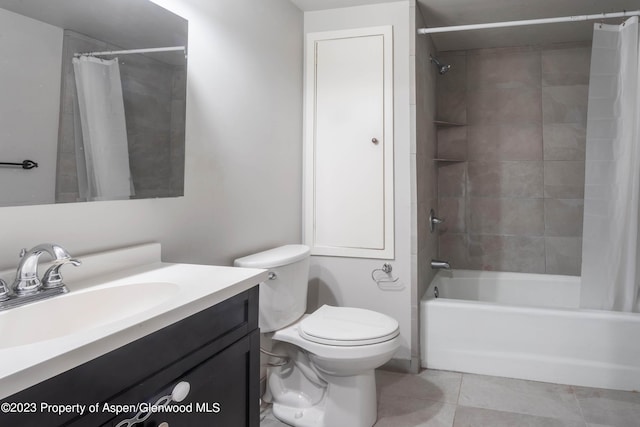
x=346, y=326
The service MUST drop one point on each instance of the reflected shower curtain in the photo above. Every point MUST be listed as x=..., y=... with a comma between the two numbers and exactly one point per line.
x=104, y=145
x=610, y=252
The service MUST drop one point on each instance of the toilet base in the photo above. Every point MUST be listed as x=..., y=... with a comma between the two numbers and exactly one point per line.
x=349, y=401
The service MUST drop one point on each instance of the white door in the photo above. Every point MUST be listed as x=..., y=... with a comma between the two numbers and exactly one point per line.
x=349, y=143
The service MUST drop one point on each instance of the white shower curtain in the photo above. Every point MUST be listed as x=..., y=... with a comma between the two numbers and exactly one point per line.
x=610, y=252
x=104, y=133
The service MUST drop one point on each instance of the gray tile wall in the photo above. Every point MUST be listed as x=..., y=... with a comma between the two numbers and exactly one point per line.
x=514, y=199
x=426, y=172
x=154, y=97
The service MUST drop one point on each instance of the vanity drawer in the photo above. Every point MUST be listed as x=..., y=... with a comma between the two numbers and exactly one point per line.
x=174, y=349
x=219, y=394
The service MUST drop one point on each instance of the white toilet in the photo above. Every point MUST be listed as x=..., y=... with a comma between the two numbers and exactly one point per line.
x=329, y=379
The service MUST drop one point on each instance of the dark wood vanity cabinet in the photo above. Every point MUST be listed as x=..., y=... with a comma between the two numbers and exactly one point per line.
x=216, y=351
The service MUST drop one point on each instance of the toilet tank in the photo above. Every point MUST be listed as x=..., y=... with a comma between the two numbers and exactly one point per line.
x=283, y=297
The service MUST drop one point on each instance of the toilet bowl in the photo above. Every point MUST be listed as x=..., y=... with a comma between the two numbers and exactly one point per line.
x=331, y=354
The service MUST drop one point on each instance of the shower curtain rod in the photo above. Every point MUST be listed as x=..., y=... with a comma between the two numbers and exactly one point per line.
x=127, y=52
x=576, y=18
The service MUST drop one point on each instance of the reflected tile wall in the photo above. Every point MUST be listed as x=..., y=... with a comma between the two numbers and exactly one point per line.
x=154, y=98
x=516, y=204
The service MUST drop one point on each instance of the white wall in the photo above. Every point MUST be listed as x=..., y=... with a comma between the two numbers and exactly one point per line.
x=243, y=149
x=30, y=60
x=347, y=281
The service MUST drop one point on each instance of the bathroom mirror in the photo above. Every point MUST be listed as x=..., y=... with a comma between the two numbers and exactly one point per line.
x=94, y=93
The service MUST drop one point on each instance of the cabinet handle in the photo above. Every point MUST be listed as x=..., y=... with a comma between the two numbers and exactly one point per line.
x=180, y=391
x=374, y=140
x=178, y=394
x=164, y=424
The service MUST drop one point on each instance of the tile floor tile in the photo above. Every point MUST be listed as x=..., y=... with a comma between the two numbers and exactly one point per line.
x=450, y=399
x=271, y=421
x=609, y=407
x=519, y=396
x=477, y=417
x=438, y=386
x=402, y=411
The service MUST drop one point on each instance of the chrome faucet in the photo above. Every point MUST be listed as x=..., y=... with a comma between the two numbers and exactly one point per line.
x=27, y=287
x=27, y=281
x=440, y=265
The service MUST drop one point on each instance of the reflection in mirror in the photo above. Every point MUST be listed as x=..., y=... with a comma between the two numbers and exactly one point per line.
x=95, y=95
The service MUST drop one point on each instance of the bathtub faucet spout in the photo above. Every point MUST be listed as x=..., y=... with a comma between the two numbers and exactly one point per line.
x=440, y=265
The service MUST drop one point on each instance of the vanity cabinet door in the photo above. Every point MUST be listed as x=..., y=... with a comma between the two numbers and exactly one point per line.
x=217, y=343
x=223, y=391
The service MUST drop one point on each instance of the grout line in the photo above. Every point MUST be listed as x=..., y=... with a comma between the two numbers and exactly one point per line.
x=460, y=389
x=544, y=213
x=575, y=396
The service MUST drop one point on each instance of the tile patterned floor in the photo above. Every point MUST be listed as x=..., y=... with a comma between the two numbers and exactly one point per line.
x=451, y=399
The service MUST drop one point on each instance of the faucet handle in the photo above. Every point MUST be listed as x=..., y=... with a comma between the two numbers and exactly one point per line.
x=52, y=277
x=23, y=252
x=434, y=221
x=4, y=290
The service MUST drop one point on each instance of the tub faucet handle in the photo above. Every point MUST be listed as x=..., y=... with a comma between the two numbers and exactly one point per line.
x=434, y=221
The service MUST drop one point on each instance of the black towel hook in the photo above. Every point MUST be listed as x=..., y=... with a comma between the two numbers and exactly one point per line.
x=25, y=164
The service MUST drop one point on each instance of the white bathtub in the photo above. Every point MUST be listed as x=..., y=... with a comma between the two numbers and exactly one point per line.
x=526, y=326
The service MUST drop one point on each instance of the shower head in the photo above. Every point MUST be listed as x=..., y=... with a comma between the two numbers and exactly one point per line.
x=442, y=68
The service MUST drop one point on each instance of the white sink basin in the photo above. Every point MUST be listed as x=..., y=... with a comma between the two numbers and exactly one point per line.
x=77, y=311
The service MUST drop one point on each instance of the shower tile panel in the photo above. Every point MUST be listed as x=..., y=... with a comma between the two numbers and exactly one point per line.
x=564, y=179
x=427, y=187
x=452, y=179
x=511, y=50
x=452, y=210
x=452, y=106
x=524, y=142
x=454, y=248
x=426, y=190
x=506, y=253
x=424, y=234
x=566, y=66
x=563, y=217
x=456, y=78
x=452, y=143
x=564, y=141
x=506, y=179
x=523, y=217
x=503, y=70
x=505, y=142
x=565, y=104
x=563, y=255
x=494, y=106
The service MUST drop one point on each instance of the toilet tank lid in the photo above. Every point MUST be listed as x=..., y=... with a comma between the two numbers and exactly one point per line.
x=276, y=257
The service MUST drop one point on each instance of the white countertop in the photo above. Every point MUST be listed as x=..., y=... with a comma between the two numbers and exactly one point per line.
x=198, y=287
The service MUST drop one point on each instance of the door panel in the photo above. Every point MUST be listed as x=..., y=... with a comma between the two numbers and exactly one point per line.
x=349, y=143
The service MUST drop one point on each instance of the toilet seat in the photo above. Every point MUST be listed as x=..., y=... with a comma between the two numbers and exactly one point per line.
x=347, y=326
